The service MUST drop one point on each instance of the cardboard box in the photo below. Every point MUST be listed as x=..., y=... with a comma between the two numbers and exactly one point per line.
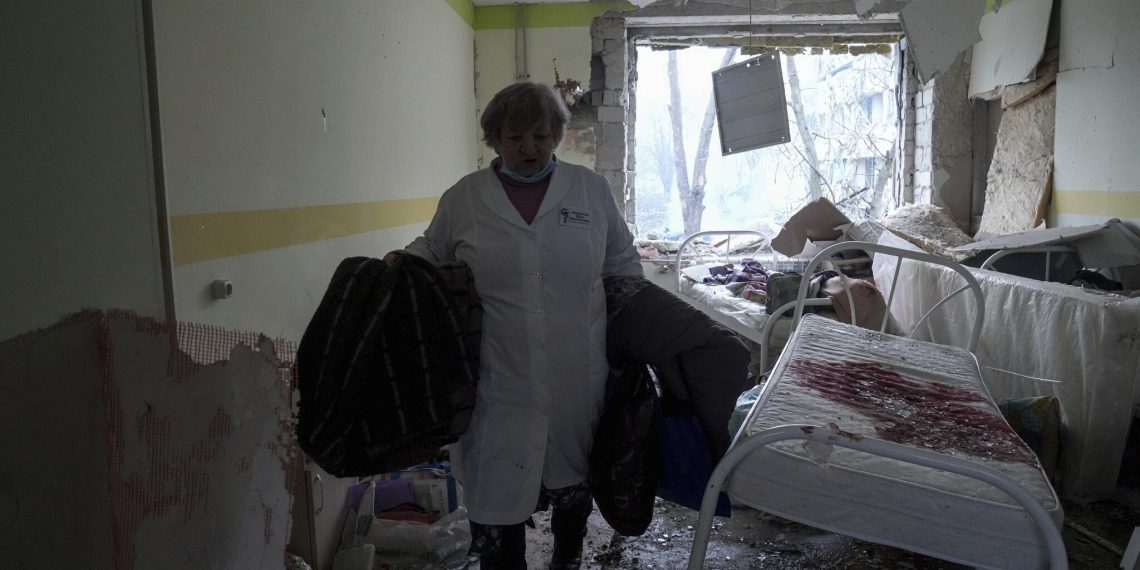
x=812, y=228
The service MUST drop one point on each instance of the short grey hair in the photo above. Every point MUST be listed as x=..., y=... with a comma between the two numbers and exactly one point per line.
x=521, y=106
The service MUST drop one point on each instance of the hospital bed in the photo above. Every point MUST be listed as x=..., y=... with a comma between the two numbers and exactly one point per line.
x=743, y=316
x=890, y=440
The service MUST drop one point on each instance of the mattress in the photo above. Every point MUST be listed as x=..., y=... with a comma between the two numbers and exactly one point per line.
x=909, y=392
x=749, y=315
x=744, y=317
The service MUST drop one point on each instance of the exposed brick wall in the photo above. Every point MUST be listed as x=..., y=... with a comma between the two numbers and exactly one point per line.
x=908, y=90
x=937, y=141
x=922, y=174
x=610, y=67
x=952, y=141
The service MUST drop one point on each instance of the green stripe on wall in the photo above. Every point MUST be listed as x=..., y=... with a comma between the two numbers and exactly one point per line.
x=465, y=9
x=202, y=237
x=1097, y=203
x=575, y=14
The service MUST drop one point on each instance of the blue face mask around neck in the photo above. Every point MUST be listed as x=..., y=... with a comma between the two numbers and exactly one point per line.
x=546, y=170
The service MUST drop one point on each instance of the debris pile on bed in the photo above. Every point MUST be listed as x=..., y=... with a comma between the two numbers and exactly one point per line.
x=653, y=248
x=928, y=227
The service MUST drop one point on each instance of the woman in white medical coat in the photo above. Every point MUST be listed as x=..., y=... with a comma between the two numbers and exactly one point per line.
x=539, y=235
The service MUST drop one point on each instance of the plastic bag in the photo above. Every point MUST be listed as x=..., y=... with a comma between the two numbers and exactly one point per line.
x=625, y=461
x=408, y=544
x=744, y=404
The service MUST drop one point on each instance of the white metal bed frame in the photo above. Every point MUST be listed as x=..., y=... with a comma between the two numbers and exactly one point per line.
x=746, y=445
x=727, y=247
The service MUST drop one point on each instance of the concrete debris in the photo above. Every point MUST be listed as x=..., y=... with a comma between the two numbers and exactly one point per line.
x=928, y=227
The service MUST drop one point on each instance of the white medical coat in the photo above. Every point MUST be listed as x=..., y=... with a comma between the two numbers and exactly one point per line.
x=543, y=368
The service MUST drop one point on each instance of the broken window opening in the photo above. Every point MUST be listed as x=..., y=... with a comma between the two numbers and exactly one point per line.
x=844, y=119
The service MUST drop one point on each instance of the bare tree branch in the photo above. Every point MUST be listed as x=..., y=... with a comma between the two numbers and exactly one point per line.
x=707, y=127
x=796, y=100
x=679, y=164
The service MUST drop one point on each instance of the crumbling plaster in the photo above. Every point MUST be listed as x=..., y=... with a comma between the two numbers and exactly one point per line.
x=733, y=10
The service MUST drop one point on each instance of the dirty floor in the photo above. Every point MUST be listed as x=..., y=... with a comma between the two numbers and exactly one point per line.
x=751, y=539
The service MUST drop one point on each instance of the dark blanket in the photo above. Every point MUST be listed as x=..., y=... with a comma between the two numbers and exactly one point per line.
x=696, y=358
x=387, y=367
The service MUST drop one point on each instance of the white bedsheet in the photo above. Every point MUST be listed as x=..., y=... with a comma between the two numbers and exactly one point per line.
x=743, y=316
x=1087, y=342
x=909, y=392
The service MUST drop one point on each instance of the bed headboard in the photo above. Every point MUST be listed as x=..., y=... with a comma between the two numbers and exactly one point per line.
x=698, y=235
x=971, y=283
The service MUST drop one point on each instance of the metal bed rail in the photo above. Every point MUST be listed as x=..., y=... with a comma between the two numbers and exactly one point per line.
x=744, y=446
x=770, y=325
x=971, y=283
x=1048, y=250
x=698, y=235
x=1058, y=559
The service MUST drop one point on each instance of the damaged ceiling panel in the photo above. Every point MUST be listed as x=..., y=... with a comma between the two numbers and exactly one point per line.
x=1007, y=37
x=1013, y=41
x=1099, y=29
x=1014, y=95
x=1108, y=244
x=937, y=32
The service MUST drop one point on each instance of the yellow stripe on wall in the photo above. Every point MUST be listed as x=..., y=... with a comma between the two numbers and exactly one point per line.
x=465, y=9
x=575, y=14
x=1097, y=203
x=202, y=237
x=993, y=5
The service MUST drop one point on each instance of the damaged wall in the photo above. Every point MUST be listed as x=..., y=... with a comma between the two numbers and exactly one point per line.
x=557, y=38
x=1097, y=162
x=937, y=140
x=133, y=454
x=1097, y=158
x=951, y=142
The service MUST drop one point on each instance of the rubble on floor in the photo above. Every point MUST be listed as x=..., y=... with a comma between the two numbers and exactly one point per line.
x=752, y=539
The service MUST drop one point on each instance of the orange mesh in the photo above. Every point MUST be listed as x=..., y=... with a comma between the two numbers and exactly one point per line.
x=174, y=479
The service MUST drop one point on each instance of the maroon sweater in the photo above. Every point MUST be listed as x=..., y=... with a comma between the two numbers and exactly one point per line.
x=526, y=197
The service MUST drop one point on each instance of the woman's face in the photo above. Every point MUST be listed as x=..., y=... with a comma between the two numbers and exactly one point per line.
x=526, y=151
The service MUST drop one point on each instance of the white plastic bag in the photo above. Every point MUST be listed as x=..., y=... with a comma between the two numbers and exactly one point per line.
x=408, y=544
x=744, y=403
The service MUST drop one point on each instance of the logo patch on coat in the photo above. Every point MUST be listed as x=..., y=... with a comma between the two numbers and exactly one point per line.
x=574, y=218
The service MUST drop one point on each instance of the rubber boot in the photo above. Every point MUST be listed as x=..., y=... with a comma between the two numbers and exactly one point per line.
x=569, y=528
x=511, y=554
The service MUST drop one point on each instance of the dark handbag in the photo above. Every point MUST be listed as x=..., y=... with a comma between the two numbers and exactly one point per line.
x=624, y=461
x=782, y=288
x=686, y=462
